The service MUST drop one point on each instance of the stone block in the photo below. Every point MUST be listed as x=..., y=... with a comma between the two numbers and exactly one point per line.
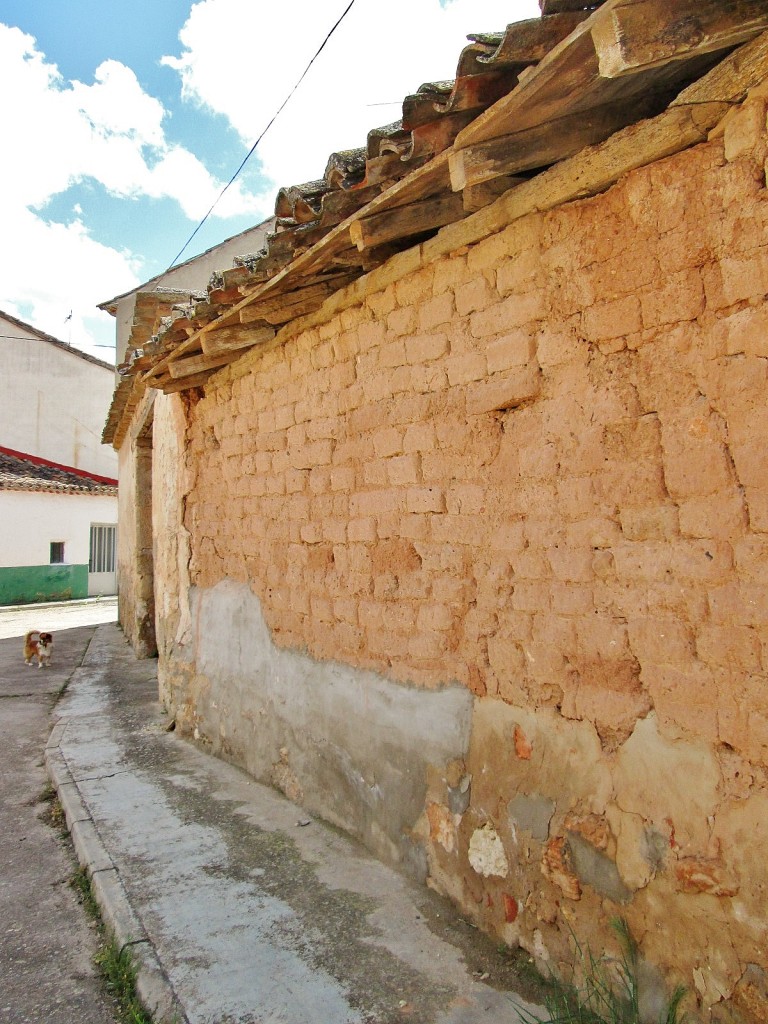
x=474, y=295
x=387, y=441
x=515, y=349
x=436, y=311
x=514, y=311
x=679, y=297
x=615, y=319
x=425, y=499
x=656, y=523
x=556, y=345
x=403, y=469
x=595, y=868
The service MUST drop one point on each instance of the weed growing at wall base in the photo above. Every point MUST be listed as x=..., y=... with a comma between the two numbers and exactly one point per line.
x=609, y=992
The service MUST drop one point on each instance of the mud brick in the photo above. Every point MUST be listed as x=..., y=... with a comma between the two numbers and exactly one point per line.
x=423, y=348
x=436, y=311
x=474, y=295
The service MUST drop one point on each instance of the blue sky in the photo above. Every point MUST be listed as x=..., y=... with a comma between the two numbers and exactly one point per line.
x=130, y=115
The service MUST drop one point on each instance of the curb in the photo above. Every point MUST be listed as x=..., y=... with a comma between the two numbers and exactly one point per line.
x=152, y=985
x=81, y=602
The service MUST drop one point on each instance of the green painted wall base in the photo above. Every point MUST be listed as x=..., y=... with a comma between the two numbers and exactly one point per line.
x=31, y=584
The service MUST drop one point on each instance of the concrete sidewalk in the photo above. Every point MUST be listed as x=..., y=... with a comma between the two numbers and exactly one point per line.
x=237, y=906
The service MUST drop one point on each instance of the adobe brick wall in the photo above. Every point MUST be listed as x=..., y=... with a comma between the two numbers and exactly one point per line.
x=538, y=467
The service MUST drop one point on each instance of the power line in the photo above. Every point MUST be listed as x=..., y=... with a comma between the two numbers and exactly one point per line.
x=272, y=120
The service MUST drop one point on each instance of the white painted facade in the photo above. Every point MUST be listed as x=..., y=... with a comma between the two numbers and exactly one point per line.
x=53, y=403
x=32, y=520
x=53, y=400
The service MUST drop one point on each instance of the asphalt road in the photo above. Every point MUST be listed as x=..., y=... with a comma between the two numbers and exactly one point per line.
x=47, y=943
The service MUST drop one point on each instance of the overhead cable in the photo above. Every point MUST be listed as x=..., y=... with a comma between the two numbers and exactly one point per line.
x=251, y=151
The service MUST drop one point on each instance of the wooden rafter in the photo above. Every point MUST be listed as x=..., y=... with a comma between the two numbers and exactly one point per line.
x=406, y=221
x=621, y=64
x=591, y=66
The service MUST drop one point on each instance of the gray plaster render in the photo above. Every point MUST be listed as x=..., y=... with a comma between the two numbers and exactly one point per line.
x=596, y=869
x=252, y=909
x=532, y=814
x=352, y=745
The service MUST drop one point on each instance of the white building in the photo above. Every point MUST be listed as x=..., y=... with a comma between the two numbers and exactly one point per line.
x=58, y=486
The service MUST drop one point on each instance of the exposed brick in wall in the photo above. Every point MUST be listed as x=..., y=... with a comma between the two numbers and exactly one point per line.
x=537, y=466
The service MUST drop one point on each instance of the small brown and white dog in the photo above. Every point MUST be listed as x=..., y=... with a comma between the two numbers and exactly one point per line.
x=40, y=648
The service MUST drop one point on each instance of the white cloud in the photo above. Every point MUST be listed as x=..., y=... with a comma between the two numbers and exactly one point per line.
x=241, y=60
x=52, y=269
x=110, y=132
x=117, y=105
x=60, y=134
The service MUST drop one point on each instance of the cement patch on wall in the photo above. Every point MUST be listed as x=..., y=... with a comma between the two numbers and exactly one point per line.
x=345, y=743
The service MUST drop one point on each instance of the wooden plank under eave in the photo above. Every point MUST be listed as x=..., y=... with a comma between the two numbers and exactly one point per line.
x=423, y=181
x=588, y=173
x=171, y=386
x=543, y=144
x=570, y=79
x=734, y=76
x=279, y=309
x=475, y=197
x=406, y=221
x=647, y=33
x=599, y=167
x=191, y=365
x=231, y=339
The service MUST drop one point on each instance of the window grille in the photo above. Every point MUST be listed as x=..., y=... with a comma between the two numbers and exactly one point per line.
x=103, y=545
x=57, y=552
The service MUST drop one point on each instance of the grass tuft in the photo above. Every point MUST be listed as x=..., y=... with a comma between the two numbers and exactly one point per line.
x=81, y=883
x=115, y=964
x=609, y=992
x=119, y=974
x=53, y=813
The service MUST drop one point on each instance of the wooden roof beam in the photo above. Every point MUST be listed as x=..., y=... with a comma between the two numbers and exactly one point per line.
x=406, y=221
x=171, y=386
x=234, y=339
x=200, y=362
x=598, y=63
x=544, y=144
x=285, y=306
x=636, y=34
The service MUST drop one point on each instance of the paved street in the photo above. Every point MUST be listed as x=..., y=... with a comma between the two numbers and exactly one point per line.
x=236, y=905
x=16, y=620
x=46, y=941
